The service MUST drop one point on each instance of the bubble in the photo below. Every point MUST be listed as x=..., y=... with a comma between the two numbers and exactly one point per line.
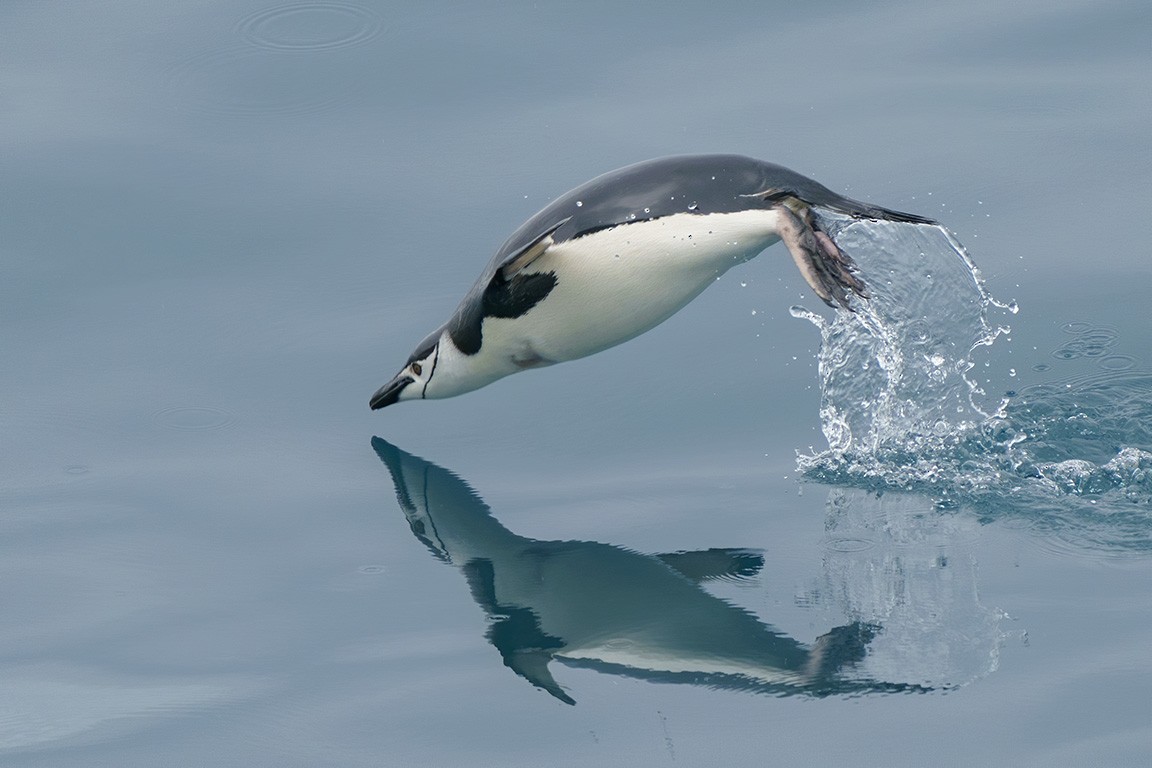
x=1076, y=327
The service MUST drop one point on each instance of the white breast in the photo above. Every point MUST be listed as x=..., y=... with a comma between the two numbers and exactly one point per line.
x=617, y=283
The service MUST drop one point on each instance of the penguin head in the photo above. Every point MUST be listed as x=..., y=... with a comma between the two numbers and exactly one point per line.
x=437, y=369
x=415, y=378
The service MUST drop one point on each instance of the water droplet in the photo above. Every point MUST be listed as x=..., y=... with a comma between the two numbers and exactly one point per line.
x=647, y=210
x=579, y=203
x=692, y=206
x=743, y=285
x=1011, y=371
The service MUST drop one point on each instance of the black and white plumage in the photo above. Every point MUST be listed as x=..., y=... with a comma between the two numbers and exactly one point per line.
x=620, y=254
x=604, y=607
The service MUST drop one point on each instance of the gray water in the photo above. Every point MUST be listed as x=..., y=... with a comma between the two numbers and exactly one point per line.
x=223, y=225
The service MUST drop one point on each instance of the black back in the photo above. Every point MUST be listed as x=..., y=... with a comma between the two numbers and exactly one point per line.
x=693, y=184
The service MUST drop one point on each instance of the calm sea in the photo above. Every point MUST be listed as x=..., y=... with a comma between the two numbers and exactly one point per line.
x=224, y=224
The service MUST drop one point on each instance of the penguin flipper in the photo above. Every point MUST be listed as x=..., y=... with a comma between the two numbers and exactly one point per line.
x=524, y=256
x=828, y=270
x=532, y=665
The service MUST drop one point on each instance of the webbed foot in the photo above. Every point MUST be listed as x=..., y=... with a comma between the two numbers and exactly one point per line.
x=826, y=268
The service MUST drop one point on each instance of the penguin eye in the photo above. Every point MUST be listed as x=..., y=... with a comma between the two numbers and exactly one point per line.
x=417, y=369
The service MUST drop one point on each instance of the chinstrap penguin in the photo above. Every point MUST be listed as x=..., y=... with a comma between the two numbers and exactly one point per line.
x=620, y=254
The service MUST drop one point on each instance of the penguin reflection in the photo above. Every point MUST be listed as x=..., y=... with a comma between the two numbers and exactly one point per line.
x=608, y=608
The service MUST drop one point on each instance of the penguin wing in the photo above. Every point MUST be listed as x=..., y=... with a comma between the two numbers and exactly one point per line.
x=529, y=252
x=532, y=665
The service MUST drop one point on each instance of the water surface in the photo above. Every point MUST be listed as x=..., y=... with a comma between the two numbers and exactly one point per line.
x=223, y=225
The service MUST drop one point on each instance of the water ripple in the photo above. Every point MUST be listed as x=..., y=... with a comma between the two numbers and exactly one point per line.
x=1092, y=341
x=1118, y=362
x=848, y=544
x=194, y=417
x=314, y=26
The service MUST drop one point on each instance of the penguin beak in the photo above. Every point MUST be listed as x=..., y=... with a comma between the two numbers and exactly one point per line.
x=390, y=392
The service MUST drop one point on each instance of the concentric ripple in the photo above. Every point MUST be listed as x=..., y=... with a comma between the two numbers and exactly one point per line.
x=193, y=417
x=1118, y=362
x=317, y=26
x=1088, y=341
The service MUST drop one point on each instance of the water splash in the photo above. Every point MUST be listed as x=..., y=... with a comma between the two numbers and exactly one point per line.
x=901, y=365
x=902, y=407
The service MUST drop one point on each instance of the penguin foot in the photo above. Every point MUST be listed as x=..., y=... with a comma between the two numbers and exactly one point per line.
x=829, y=271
